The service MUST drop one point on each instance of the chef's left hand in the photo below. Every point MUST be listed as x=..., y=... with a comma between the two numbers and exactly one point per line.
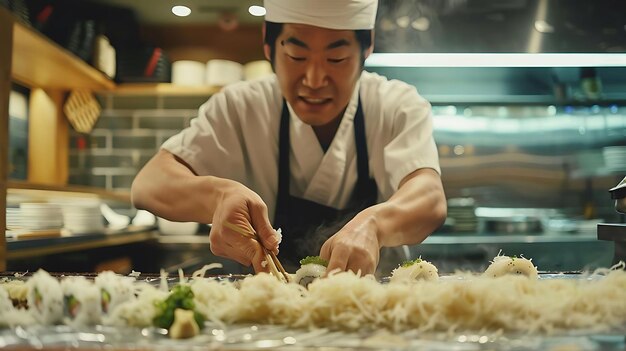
x=355, y=247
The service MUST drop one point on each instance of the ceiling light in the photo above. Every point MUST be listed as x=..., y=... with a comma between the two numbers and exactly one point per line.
x=543, y=27
x=181, y=11
x=403, y=22
x=257, y=11
x=422, y=24
x=495, y=60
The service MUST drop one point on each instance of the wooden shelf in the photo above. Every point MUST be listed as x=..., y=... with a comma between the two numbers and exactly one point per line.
x=22, y=249
x=47, y=190
x=163, y=89
x=39, y=62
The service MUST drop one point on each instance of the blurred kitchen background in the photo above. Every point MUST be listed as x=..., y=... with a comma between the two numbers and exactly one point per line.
x=528, y=147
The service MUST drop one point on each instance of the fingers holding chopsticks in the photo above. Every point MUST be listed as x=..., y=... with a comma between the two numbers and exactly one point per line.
x=241, y=229
x=260, y=224
x=232, y=244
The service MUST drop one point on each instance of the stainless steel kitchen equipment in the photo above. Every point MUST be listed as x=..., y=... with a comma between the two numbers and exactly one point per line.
x=619, y=194
x=616, y=232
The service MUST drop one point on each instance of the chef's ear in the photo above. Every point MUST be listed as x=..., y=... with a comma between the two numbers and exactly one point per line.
x=267, y=51
x=370, y=49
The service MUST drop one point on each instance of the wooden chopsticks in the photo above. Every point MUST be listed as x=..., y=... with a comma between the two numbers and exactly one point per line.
x=276, y=268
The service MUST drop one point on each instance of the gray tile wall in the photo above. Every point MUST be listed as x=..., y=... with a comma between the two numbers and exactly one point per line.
x=128, y=133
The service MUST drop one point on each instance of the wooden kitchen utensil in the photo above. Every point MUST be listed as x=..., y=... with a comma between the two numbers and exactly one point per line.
x=275, y=267
x=82, y=110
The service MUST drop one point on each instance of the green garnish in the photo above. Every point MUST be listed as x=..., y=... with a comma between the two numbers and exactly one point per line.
x=410, y=263
x=314, y=260
x=105, y=300
x=181, y=296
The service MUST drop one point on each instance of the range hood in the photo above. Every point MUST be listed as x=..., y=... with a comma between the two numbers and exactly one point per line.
x=502, y=26
x=506, y=51
x=495, y=60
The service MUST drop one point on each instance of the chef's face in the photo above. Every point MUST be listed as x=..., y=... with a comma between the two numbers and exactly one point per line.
x=317, y=69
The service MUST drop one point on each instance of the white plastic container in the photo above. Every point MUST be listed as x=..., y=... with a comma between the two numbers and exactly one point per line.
x=257, y=69
x=223, y=72
x=188, y=73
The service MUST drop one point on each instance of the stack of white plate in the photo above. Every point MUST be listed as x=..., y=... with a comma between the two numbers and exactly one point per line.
x=14, y=220
x=615, y=158
x=40, y=216
x=83, y=218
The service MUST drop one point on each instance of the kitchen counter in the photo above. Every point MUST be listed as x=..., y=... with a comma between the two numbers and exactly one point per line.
x=435, y=239
x=25, y=248
x=549, y=251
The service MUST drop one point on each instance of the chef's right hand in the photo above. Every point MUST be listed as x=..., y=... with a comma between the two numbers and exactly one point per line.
x=242, y=207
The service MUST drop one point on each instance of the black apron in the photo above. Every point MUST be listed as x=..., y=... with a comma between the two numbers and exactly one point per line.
x=306, y=224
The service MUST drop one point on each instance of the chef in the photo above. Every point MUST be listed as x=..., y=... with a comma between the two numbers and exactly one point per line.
x=343, y=161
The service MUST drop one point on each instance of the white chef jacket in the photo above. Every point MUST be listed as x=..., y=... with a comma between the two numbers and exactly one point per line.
x=235, y=136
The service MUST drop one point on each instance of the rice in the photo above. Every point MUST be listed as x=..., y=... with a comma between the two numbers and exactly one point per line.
x=415, y=271
x=307, y=273
x=45, y=298
x=5, y=302
x=138, y=311
x=82, y=302
x=114, y=289
x=503, y=265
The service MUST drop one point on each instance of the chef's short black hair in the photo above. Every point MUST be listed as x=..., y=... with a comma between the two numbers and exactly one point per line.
x=273, y=30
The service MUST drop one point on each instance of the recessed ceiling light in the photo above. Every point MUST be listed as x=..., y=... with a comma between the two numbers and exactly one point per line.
x=181, y=11
x=257, y=11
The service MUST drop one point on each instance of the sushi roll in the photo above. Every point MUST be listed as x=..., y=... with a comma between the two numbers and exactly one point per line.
x=411, y=271
x=6, y=304
x=137, y=311
x=503, y=265
x=11, y=316
x=114, y=289
x=311, y=268
x=81, y=302
x=12, y=313
x=45, y=298
x=18, y=293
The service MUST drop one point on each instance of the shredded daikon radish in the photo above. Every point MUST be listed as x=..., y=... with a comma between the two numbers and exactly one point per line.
x=347, y=301
x=207, y=267
x=134, y=274
x=214, y=299
x=163, y=278
x=137, y=312
x=181, y=276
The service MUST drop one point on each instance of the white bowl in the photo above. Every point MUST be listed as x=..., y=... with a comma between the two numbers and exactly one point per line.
x=177, y=228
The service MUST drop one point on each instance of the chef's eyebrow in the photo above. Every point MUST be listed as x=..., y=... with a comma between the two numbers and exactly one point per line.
x=300, y=43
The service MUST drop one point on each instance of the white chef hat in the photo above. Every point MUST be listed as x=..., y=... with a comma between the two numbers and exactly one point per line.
x=333, y=14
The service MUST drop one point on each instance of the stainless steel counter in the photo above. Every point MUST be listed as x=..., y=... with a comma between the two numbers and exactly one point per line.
x=549, y=251
x=262, y=337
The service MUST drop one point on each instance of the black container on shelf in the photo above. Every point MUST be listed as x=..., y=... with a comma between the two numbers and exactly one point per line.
x=18, y=8
x=75, y=24
x=142, y=65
